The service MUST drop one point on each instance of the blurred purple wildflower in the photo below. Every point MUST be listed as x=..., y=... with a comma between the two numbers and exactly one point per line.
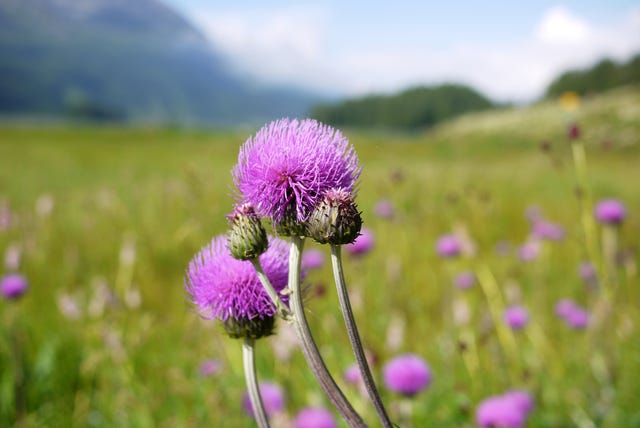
x=529, y=250
x=509, y=410
x=464, y=280
x=384, y=209
x=13, y=285
x=363, y=243
x=544, y=229
x=210, y=367
x=315, y=417
x=407, y=374
x=577, y=318
x=312, y=258
x=448, y=246
x=610, y=211
x=290, y=164
x=272, y=398
x=352, y=375
x=564, y=306
x=573, y=314
x=516, y=317
x=223, y=287
x=587, y=272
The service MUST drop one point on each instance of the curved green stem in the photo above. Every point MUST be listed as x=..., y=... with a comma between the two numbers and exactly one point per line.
x=281, y=307
x=354, y=336
x=309, y=348
x=249, y=361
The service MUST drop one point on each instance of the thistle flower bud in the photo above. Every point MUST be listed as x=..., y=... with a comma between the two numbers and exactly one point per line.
x=247, y=239
x=245, y=328
x=336, y=219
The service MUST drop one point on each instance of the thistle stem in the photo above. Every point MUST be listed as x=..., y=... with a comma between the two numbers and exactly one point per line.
x=249, y=361
x=354, y=336
x=309, y=348
x=281, y=307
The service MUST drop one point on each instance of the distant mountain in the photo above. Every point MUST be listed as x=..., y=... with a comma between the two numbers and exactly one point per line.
x=134, y=60
x=414, y=108
x=603, y=76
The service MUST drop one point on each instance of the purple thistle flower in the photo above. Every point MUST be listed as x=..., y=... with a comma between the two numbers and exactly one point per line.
x=210, y=367
x=315, y=417
x=407, y=374
x=516, y=317
x=448, y=246
x=564, y=307
x=289, y=165
x=610, y=211
x=13, y=286
x=587, y=272
x=363, y=243
x=529, y=251
x=577, y=318
x=223, y=287
x=352, y=375
x=384, y=208
x=312, y=259
x=509, y=410
x=464, y=280
x=272, y=398
x=573, y=314
x=547, y=230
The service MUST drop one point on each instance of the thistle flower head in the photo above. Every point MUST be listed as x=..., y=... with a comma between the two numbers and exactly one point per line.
x=289, y=165
x=516, y=317
x=464, y=280
x=230, y=291
x=407, y=374
x=336, y=219
x=509, y=410
x=247, y=238
x=448, y=246
x=610, y=211
x=315, y=417
x=13, y=286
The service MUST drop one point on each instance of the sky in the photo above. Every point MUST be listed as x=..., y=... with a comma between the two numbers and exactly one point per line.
x=509, y=50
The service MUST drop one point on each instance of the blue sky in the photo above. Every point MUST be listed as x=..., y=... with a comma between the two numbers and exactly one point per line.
x=510, y=50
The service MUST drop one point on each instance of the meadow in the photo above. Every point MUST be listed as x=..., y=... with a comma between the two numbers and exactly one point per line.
x=103, y=222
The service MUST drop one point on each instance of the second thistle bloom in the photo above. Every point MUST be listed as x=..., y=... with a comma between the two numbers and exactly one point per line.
x=288, y=166
x=230, y=291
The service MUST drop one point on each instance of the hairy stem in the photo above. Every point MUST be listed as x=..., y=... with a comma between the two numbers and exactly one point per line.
x=354, y=336
x=257, y=405
x=309, y=348
x=281, y=308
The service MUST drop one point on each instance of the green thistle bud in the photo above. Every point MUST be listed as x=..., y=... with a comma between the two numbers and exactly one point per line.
x=246, y=239
x=241, y=328
x=336, y=219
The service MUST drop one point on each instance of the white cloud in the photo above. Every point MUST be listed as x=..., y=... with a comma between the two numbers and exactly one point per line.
x=292, y=45
x=271, y=44
x=560, y=26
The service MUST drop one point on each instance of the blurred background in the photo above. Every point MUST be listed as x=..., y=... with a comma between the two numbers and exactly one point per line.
x=193, y=62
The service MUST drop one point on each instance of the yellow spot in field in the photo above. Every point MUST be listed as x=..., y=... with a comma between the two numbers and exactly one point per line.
x=569, y=101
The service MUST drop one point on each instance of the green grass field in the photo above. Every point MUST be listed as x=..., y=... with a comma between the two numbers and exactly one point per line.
x=103, y=222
